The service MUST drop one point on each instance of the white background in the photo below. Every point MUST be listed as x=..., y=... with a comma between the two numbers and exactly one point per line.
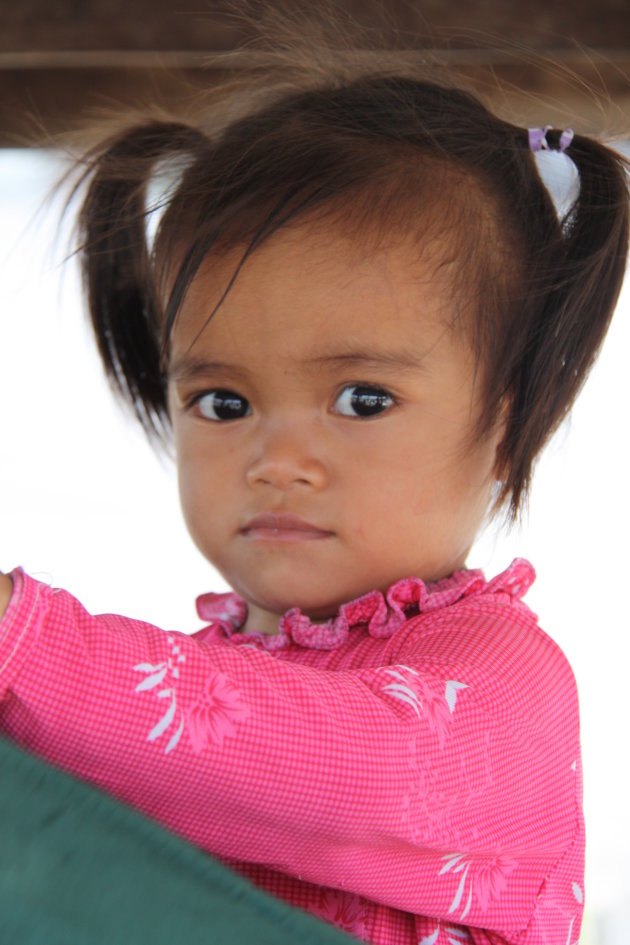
x=86, y=505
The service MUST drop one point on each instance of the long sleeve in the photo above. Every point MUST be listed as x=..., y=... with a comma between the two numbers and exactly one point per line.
x=443, y=782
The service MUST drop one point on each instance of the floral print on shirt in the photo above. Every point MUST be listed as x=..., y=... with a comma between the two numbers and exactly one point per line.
x=209, y=720
x=474, y=721
x=431, y=700
x=483, y=879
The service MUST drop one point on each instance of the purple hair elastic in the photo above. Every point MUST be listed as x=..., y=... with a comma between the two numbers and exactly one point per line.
x=538, y=139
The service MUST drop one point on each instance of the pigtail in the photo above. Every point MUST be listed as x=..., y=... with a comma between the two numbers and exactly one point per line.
x=124, y=306
x=595, y=249
x=578, y=268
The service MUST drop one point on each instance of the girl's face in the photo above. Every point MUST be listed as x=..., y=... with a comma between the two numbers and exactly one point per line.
x=321, y=420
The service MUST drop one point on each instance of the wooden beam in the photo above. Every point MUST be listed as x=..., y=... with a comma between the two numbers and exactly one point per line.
x=220, y=24
x=44, y=95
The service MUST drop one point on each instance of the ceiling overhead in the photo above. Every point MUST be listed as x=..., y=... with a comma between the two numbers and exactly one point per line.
x=65, y=62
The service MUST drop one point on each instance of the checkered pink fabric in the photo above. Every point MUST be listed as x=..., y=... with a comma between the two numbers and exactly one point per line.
x=409, y=772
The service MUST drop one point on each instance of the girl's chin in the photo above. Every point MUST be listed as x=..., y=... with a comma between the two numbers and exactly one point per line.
x=285, y=588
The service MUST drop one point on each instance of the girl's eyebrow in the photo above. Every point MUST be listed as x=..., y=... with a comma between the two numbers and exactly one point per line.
x=372, y=358
x=190, y=369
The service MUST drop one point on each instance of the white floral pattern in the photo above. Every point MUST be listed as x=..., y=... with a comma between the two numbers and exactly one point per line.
x=579, y=897
x=486, y=879
x=427, y=699
x=155, y=676
x=430, y=939
x=455, y=935
x=209, y=719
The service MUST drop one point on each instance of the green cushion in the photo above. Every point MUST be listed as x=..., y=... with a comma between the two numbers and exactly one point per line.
x=79, y=868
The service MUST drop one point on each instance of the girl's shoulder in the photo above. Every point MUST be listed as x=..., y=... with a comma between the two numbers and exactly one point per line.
x=490, y=639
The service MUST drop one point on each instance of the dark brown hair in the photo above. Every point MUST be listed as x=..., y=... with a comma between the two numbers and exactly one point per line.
x=389, y=154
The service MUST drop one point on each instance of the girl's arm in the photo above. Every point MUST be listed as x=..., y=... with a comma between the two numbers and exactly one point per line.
x=441, y=776
x=6, y=589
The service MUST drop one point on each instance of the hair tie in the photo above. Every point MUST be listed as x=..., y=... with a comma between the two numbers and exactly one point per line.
x=538, y=139
x=565, y=139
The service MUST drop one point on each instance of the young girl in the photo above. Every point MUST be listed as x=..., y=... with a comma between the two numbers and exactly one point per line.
x=362, y=319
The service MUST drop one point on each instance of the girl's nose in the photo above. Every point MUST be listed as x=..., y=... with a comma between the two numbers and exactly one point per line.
x=287, y=458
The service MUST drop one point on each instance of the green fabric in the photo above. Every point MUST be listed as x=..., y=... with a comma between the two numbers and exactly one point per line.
x=78, y=868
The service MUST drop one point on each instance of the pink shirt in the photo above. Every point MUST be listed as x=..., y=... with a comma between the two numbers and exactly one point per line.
x=409, y=772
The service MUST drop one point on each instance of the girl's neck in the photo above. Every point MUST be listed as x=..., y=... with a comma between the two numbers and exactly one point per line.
x=261, y=621
x=264, y=621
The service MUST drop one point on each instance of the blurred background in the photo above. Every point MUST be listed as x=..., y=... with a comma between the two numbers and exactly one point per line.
x=87, y=505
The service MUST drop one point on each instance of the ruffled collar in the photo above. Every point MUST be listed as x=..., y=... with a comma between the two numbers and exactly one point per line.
x=380, y=614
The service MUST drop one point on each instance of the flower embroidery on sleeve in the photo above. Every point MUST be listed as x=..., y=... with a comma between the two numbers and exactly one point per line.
x=482, y=879
x=345, y=910
x=452, y=935
x=209, y=720
x=579, y=897
x=161, y=675
x=435, y=705
x=215, y=717
x=432, y=938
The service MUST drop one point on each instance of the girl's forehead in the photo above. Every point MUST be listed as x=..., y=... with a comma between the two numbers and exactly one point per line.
x=314, y=281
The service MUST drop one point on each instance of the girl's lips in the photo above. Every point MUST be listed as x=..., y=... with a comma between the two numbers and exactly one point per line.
x=282, y=527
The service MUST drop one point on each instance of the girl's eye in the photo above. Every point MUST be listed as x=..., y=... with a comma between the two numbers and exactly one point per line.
x=222, y=405
x=360, y=401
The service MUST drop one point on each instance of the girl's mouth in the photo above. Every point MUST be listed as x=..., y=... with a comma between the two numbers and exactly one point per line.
x=276, y=526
